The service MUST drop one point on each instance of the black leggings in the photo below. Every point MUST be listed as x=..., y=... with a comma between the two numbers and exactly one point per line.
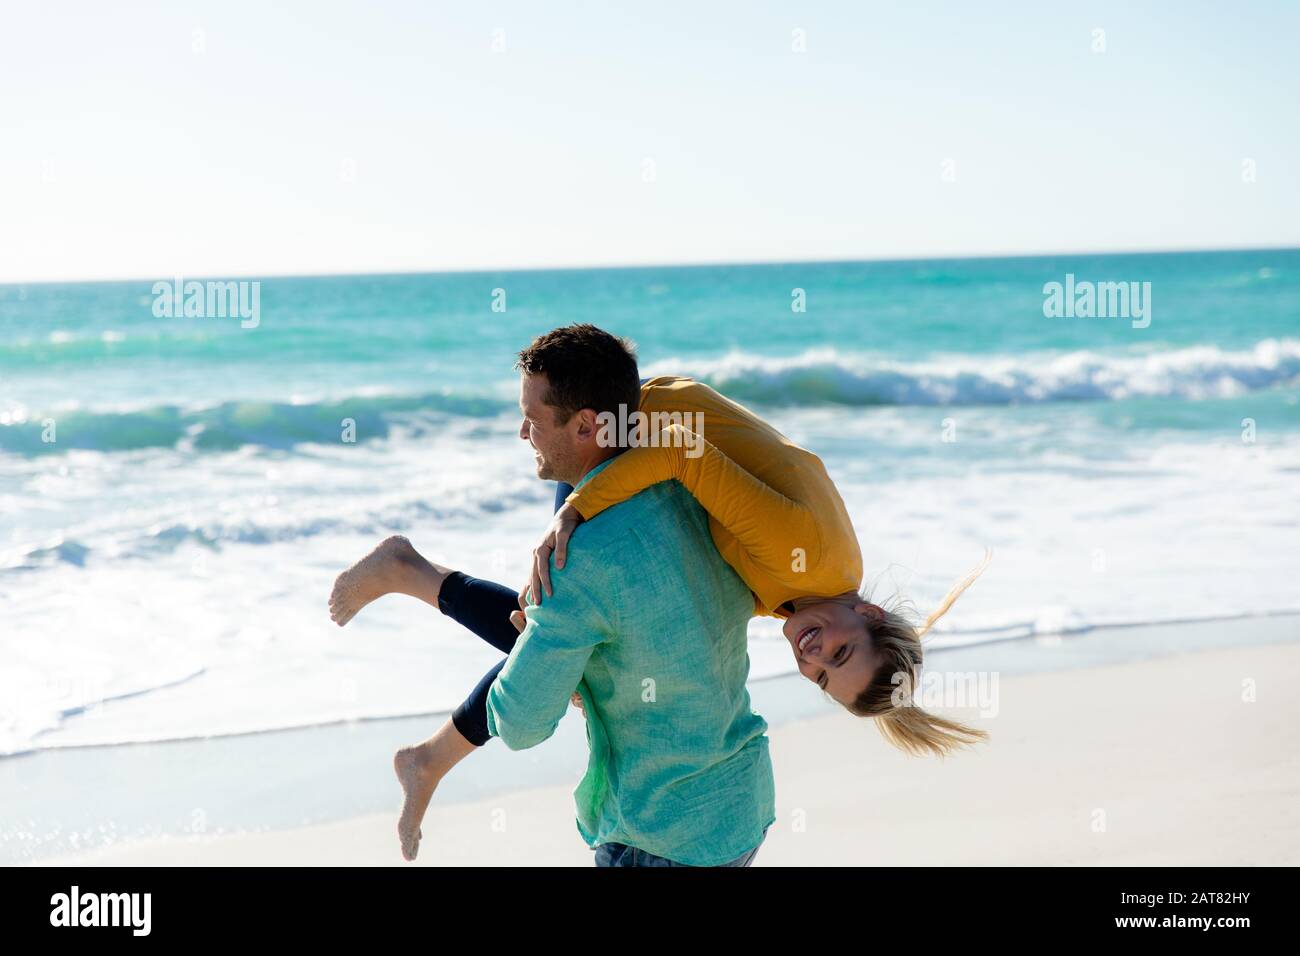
x=484, y=608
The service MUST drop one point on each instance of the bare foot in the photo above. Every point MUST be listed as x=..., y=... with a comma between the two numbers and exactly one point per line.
x=415, y=774
x=384, y=570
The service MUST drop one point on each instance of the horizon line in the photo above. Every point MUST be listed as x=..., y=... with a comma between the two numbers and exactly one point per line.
x=612, y=267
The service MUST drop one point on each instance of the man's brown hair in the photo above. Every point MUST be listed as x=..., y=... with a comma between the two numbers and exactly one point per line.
x=585, y=367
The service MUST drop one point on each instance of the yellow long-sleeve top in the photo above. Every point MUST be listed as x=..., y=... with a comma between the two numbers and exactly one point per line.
x=774, y=513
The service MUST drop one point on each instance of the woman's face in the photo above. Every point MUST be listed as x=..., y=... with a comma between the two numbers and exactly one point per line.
x=832, y=646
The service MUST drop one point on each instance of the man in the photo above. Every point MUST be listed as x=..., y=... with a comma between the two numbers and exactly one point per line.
x=646, y=622
x=649, y=623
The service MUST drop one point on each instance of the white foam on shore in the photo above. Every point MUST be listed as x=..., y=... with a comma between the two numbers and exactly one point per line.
x=168, y=601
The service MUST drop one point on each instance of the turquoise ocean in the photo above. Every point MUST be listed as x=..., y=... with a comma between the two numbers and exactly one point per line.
x=176, y=494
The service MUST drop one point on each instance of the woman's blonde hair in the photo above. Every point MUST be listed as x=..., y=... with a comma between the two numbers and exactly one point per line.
x=888, y=698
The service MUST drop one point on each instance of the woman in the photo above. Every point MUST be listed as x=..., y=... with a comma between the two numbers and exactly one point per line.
x=775, y=517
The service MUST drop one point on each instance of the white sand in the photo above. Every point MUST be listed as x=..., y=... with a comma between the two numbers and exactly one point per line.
x=1166, y=754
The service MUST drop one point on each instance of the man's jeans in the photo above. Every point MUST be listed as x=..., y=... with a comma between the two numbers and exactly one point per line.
x=620, y=854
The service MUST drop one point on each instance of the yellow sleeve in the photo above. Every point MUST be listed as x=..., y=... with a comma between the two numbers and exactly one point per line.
x=767, y=524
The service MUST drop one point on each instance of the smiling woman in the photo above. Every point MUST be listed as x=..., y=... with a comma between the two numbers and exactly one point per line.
x=892, y=695
x=832, y=644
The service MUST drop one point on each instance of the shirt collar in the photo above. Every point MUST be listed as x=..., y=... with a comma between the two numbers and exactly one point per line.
x=591, y=474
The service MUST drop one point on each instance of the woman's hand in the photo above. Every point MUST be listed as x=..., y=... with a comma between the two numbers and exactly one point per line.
x=556, y=539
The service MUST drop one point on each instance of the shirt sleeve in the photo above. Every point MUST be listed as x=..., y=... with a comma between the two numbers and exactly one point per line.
x=768, y=525
x=531, y=694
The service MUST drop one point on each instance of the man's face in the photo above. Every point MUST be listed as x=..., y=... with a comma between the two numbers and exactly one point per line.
x=554, y=445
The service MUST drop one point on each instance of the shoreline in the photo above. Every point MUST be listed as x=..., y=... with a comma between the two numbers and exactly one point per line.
x=1278, y=626
x=1086, y=766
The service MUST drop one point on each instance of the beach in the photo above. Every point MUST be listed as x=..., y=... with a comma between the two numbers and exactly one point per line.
x=206, y=482
x=180, y=493
x=1160, y=762
x=968, y=351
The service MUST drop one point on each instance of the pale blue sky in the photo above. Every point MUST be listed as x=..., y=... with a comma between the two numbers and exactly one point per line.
x=356, y=137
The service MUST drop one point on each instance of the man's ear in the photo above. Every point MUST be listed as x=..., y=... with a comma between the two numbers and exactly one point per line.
x=588, y=426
